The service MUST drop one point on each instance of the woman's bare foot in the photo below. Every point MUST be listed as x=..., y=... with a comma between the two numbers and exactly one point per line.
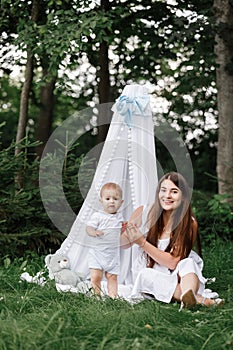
x=209, y=302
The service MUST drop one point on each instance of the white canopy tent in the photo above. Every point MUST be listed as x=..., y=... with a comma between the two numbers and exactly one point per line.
x=128, y=158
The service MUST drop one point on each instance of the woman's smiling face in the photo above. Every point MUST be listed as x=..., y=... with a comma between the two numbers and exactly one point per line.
x=170, y=196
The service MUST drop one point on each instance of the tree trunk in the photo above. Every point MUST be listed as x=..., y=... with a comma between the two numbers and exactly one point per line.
x=104, y=83
x=24, y=98
x=104, y=113
x=224, y=59
x=24, y=102
x=45, y=117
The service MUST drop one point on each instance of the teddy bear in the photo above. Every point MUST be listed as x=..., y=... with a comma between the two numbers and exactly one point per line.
x=59, y=270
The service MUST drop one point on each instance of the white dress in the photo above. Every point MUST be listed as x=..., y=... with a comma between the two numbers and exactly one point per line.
x=159, y=281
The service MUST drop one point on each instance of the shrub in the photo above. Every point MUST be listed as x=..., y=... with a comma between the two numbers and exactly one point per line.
x=214, y=216
x=24, y=223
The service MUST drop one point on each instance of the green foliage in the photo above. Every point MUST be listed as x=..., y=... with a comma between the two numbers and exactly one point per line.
x=66, y=165
x=214, y=216
x=24, y=223
x=35, y=317
x=203, y=156
x=152, y=41
x=9, y=109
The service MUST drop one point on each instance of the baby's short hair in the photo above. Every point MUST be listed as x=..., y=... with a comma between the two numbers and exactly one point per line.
x=113, y=186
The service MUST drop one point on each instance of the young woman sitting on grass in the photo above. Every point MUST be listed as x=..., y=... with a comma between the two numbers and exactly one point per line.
x=174, y=270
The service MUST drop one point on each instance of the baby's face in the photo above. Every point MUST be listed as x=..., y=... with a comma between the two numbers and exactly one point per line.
x=111, y=201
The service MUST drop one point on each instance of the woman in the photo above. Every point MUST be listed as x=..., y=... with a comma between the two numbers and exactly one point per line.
x=174, y=271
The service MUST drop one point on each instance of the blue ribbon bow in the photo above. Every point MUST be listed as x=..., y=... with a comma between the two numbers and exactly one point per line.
x=127, y=106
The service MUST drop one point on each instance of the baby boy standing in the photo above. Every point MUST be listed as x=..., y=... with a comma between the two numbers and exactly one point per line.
x=105, y=227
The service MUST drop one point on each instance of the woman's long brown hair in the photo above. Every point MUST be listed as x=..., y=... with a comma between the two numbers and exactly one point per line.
x=183, y=234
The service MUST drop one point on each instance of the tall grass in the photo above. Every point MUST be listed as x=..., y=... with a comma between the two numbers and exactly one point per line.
x=35, y=317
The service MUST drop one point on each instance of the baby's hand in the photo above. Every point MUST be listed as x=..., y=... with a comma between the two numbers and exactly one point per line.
x=124, y=225
x=99, y=233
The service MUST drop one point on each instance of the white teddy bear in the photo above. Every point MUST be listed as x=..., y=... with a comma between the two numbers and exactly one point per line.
x=59, y=270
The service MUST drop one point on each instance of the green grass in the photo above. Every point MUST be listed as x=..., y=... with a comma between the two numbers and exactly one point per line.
x=35, y=317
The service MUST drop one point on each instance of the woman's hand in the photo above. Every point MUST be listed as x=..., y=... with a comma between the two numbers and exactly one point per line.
x=134, y=235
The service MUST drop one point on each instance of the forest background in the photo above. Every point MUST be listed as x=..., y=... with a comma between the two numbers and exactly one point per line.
x=60, y=57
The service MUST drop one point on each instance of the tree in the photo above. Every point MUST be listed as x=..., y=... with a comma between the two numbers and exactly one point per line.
x=104, y=88
x=45, y=117
x=224, y=59
x=24, y=99
x=34, y=28
x=153, y=41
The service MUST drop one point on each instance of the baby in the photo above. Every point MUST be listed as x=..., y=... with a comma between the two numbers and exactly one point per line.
x=105, y=227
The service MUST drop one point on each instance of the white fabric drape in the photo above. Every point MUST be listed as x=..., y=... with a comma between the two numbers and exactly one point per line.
x=128, y=158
